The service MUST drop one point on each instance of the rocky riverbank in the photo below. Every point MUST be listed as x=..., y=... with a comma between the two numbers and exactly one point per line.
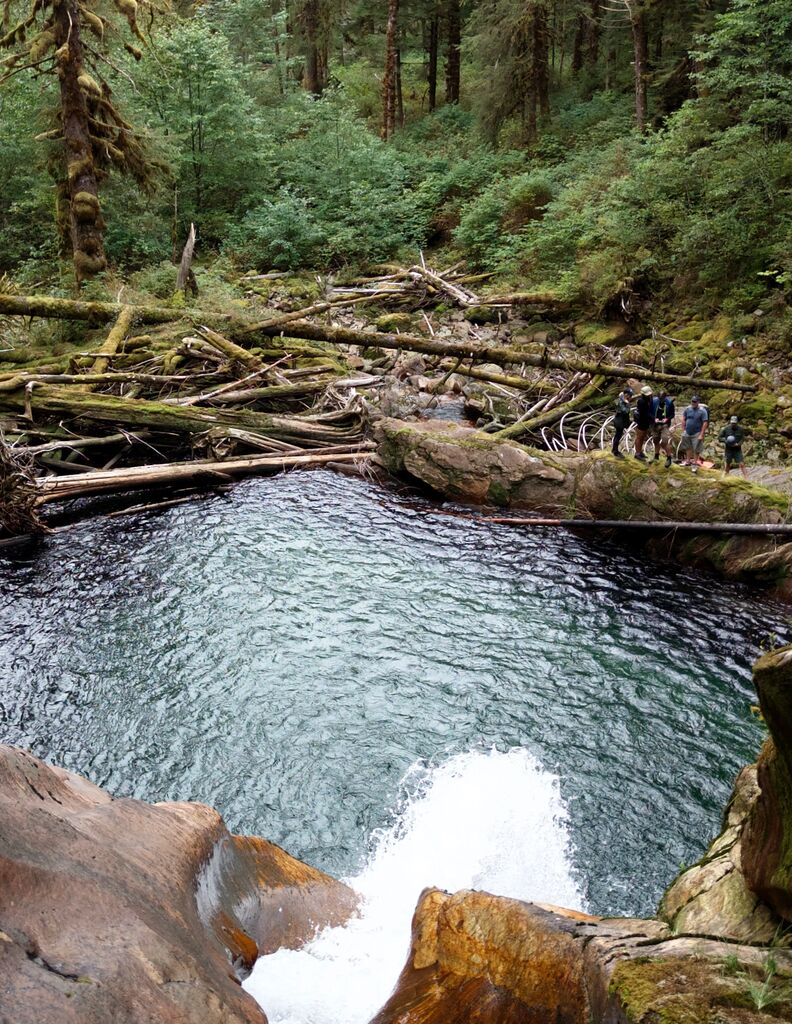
x=119, y=910
x=467, y=465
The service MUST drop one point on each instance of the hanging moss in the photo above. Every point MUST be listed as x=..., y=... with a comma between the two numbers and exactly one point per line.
x=85, y=207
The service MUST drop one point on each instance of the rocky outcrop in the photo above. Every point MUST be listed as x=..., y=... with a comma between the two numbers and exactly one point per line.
x=767, y=844
x=716, y=954
x=483, y=958
x=118, y=910
x=470, y=466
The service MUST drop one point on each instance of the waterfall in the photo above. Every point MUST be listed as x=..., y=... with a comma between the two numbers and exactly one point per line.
x=480, y=820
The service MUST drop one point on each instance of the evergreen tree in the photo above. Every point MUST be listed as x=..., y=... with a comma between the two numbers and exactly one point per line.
x=68, y=39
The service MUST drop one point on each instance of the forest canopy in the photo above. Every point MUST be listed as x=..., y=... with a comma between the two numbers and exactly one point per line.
x=565, y=144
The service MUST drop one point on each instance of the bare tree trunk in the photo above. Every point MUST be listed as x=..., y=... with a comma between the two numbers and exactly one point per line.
x=577, y=46
x=315, y=75
x=186, y=278
x=389, y=79
x=432, y=71
x=452, y=58
x=593, y=36
x=540, y=69
x=86, y=225
x=640, y=60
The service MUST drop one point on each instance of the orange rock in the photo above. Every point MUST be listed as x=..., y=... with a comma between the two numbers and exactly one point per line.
x=118, y=910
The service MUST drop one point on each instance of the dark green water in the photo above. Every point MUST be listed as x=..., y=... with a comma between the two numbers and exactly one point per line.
x=288, y=652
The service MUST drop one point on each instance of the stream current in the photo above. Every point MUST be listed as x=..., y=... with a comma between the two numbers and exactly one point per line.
x=401, y=698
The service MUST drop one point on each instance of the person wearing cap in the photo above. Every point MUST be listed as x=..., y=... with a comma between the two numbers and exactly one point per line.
x=696, y=421
x=621, y=418
x=732, y=437
x=643, y=420
x=663, y=415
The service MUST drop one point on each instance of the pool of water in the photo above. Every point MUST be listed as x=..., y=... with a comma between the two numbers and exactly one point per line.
x=290, y=652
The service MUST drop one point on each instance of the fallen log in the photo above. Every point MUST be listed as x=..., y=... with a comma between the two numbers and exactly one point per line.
x=548, y=416
x=114, y=339
x=230, y=349
x=636, y=524
x=46, y=307
x=123, y=412
x=495, y=354
x=145, y=477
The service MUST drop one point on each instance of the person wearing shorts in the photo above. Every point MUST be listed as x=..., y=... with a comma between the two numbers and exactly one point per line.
x=732, y=437
x=695, y=419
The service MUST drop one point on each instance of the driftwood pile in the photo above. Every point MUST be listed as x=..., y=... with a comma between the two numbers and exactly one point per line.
x=182, y=398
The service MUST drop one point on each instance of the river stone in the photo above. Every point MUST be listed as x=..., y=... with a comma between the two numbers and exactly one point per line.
x=480, y=958
x=123, y=911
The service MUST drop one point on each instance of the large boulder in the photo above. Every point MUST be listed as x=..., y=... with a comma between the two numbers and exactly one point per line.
x=118, y=910
x=483, y=958
x=767, y=845
x=471, y=466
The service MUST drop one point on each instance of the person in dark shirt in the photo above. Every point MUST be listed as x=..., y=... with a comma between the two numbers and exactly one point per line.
x=621, y=419
x=643, y=420
x=663, y=415
x=732, y=437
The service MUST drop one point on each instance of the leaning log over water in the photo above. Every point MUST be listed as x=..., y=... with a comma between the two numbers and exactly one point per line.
x=179, y=473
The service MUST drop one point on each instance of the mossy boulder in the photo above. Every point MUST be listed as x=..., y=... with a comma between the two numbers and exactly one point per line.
x=602, y=334
x=482, y=315
x=392, y=323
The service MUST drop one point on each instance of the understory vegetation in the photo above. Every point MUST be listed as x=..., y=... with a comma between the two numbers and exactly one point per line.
x=635, y=150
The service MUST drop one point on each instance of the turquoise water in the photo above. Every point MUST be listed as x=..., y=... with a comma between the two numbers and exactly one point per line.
x=287, y=652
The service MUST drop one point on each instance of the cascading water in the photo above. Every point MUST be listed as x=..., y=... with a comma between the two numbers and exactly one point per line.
x=492, y=821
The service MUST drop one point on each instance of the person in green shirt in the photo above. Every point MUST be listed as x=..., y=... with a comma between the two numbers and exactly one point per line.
x=732, y=437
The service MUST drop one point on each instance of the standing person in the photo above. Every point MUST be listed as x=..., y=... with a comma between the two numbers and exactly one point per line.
x=621, y=418
x=643, y=420
x=732, y=437
x=696, y=421
x=663, y=415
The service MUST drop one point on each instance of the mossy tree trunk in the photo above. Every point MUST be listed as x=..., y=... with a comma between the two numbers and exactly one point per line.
x=431, y=73
x=86, y=227
x=389, y=90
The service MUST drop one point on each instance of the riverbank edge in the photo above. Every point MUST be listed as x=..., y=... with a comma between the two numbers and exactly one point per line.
x=471, y=467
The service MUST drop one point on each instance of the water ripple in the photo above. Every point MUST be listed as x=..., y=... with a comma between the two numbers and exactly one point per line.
x=287, y=652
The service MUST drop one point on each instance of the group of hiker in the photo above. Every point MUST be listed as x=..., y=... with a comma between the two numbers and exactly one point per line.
x=655, y=416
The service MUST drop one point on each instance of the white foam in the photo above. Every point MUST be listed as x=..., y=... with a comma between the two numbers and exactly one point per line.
x=492, y=821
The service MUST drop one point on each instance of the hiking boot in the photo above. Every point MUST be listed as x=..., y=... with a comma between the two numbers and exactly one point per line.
x=641, y=457
x=618, y=455
x=657, y=457
x=669, y=460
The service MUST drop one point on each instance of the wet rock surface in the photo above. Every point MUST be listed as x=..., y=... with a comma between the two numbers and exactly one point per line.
x=471, y=466
x=118, y=910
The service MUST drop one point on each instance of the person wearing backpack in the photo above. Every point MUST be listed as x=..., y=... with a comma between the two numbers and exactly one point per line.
x=621, y=418
x=663, y=415
x=643, y=420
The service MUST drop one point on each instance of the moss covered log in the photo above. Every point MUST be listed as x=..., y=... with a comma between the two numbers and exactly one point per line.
x=470, y=466
x=45, y=400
